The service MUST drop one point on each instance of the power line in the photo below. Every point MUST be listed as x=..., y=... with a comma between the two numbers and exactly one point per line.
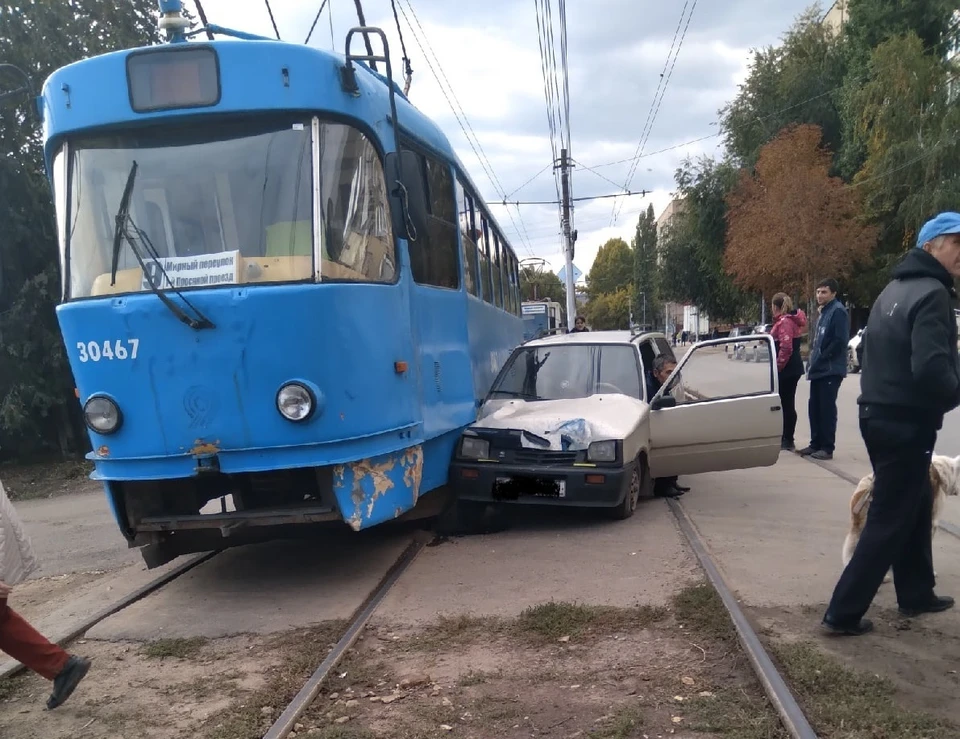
x=315, y=19
x=861, y=78
x=203, y=18
x=657, y=102
x=272, y=21
x=460, y=115
x=572, y=200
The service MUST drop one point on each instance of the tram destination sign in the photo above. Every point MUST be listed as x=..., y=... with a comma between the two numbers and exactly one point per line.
x=173, y=78
x=205, y=270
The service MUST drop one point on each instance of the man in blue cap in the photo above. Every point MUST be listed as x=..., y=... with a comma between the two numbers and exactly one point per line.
x=911, y=378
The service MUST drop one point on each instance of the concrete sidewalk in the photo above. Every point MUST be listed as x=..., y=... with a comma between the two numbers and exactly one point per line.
x=778, y=532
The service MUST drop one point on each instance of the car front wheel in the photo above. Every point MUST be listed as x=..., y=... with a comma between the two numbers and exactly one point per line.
x=639, y=476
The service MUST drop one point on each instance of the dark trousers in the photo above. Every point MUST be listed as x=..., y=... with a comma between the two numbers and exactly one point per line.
x=898, y=528
x=788, y=400
x=823, y=412
x=28, y=646
x=663, y=484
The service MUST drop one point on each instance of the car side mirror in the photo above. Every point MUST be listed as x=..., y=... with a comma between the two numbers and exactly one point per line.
x=664, y=401
x=408, y=196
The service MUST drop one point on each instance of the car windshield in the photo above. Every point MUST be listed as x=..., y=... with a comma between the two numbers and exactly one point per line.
x=567, y=371
x=223, y=204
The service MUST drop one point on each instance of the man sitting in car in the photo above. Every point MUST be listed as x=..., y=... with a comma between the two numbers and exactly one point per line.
x=663, y=367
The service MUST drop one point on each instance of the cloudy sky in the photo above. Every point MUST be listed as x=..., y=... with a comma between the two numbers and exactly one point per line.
x=488, y=51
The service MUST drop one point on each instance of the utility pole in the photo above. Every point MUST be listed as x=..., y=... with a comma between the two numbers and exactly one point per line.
x=568, y=239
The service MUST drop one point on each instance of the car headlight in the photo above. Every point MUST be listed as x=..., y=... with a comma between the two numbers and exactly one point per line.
x=602, y=451
x=101, y=414
x=474, y=447
x=295, y=402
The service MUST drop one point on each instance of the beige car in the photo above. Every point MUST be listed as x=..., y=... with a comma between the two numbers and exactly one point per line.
x=569, y=421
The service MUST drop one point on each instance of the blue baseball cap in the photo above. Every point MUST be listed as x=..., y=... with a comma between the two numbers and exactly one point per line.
x=943, y=224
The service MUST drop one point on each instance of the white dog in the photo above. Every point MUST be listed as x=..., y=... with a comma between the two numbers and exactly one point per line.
x=944, y=479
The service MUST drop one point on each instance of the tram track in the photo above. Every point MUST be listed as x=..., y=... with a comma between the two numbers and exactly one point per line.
x=79, y=628
x=774, y=686
x=286, y=722
x=944, y=526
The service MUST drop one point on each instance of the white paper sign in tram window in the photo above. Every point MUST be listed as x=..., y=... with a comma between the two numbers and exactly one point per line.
x=205, y=270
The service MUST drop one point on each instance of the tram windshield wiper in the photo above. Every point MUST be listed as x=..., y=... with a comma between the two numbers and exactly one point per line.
x=139, y=238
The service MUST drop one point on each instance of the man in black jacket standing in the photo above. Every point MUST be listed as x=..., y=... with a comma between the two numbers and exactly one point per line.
x=911, y=378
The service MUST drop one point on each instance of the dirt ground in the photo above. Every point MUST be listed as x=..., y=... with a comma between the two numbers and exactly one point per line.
x=907, y=671
x=47, y=479
x=559, y=669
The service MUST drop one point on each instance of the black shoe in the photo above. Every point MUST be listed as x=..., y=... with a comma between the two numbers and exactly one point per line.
x=937, y=604
x=66, y=682
x=788, y=446
x=865, y=626
x=670, y=492
x=822, y=455
x=807, y=451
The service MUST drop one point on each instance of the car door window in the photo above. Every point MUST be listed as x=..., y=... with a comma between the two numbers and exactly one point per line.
x=704, y=379
x=664, y=348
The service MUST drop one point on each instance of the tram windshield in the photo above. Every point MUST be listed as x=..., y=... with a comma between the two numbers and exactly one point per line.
x=222, y=204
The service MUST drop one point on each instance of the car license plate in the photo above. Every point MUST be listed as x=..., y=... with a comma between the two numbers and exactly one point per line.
x=511, y=488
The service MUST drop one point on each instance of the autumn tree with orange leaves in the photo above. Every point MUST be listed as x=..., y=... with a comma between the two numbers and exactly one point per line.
x=789, y=223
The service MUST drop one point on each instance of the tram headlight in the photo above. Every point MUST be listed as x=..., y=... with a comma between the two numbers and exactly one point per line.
x=101, y=414
x=295, y=402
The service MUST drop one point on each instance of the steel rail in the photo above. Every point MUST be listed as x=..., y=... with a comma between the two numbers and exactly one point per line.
x=946, y=526
x=783, y=700
x=81, y=627
x=287, y=720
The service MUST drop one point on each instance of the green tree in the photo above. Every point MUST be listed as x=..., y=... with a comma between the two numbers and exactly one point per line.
x=536, y=284
x=693, y=247
x=612, y=268
x=870, y=23
x=645, y=270
x=792, y=83
x=37, y=406
x=609, y=311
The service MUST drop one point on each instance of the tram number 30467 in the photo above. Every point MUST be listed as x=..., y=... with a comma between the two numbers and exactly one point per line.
x=94, y=351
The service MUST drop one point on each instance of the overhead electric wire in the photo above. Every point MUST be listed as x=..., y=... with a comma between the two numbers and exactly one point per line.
x=203, y=18
x=272, y=21
x=315, y=19
x=657, y=98
x=407, y=69
x=460, y=115
x=572, y=200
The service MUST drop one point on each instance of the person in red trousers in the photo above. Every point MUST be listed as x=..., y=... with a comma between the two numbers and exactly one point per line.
x=17, y=637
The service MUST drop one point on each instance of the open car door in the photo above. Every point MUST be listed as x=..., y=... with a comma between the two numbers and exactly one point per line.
x=713, y=415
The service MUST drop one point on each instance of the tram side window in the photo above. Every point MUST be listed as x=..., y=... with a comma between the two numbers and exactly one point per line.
x=510, y=283
x=433, y=255
x=496, y=270
x=517, y=297
x=467, y=231
x=482, y=237
x=357, y=235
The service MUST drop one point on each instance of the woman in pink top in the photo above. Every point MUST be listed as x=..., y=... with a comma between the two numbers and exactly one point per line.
x=787, y=327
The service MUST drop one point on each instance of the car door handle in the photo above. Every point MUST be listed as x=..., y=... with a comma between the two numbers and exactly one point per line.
x=774, y=408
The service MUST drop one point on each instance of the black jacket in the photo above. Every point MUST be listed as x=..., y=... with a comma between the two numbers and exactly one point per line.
x=911, y=368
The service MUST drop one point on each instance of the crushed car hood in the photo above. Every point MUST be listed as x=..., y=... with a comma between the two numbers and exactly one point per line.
x=578, y=422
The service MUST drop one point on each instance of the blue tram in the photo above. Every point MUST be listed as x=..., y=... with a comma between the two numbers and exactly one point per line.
x=282, y=296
